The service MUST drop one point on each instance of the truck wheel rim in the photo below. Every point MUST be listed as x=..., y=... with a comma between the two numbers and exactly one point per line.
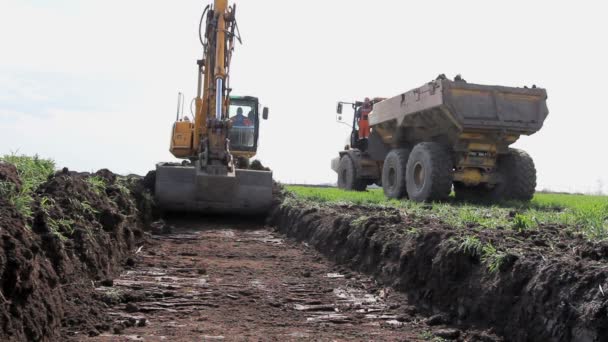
x=419, y=175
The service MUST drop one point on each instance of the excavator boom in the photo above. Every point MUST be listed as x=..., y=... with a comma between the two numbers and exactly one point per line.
x=212, y=181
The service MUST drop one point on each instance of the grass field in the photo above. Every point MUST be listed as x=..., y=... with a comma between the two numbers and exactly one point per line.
x=587, y=214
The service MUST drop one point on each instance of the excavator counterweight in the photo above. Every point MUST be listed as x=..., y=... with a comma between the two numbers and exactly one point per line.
x=221, y=138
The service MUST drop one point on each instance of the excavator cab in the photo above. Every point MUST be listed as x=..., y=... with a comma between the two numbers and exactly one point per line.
x=245, y=118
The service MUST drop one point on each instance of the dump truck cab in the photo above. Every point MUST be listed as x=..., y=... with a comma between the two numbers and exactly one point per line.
x=360, y=129
x=364, y=152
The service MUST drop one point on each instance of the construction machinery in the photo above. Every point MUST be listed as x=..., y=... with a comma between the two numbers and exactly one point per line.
x=444, y=135
x=219, y=140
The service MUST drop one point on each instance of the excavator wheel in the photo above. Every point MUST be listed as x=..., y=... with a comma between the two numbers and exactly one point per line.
x=347, y=176
x=429, y=173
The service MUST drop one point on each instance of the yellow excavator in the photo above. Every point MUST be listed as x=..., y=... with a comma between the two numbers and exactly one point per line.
x=218, y=142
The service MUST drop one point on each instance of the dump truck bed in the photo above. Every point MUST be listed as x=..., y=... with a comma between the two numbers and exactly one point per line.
x=445, y=106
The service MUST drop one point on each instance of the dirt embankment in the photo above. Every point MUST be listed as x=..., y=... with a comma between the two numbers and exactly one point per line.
x=82, y=229
x=541, y=285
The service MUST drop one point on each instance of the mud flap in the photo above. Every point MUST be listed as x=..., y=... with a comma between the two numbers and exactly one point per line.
x=185, y=188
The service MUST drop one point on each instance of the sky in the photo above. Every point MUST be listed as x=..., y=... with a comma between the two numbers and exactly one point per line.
x=93, y=84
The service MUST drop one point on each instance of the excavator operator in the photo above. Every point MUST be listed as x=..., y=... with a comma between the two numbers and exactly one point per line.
x=240, y=120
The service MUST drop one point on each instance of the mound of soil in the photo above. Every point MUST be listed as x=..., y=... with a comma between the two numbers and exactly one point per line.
x=8, y=173
x=546, y=285
x=80, y=233
x=258, y=166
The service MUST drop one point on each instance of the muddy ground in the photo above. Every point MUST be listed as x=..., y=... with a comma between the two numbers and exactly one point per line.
x=91, y=263
x=550, y=284
x=211, y=279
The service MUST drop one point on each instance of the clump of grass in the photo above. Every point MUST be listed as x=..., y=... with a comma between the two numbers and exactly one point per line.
x=122, y=188
x=87, y=208
x=489, y=255
x=593, y=220
x=412, y=231
x=469, y=216
x=522, y=222
x=112, y=296
x=472, y=246
x=97, y=184
x=427, y=335
x=290, y=201
x=58, y=227
x=83, y=207
x=21, y=200
x=46, y=203
x=493, y=258
x=360, y=221
x=32, y=171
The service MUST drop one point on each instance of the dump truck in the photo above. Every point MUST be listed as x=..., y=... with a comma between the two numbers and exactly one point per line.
x=217, y=143
x=447, y=134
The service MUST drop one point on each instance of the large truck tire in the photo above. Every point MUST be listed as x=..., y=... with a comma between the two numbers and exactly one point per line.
x=519, y=176
x=429, y=173
x=347, y=175
x=393, y=174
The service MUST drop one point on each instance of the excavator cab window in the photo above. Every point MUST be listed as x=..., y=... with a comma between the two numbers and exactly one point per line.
x=244, y=132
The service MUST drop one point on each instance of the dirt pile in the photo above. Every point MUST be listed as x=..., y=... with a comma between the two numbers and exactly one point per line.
x=80, y=230
x=8, y=174
x=540, y=285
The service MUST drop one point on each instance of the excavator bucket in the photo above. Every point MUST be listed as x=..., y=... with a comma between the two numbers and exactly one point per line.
x=189, y=189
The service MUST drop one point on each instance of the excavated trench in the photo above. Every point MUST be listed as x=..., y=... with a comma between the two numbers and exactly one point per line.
x=90, y=264
x=206, y=279
x=549, y=286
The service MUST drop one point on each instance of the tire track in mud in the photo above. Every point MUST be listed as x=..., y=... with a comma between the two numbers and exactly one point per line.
x=242, y=281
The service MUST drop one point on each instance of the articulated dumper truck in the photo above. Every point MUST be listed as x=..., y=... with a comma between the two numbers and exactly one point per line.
x=444, y=135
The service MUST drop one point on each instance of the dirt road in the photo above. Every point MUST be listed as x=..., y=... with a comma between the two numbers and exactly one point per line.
x=238, y=281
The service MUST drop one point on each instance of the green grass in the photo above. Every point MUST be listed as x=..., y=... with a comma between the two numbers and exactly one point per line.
x=122, y=186
x=492, y=257
x=472, y=246
x=33, y=171
x=97, y=184
x=58, y=227
x=547, y=200
x=523, y=222
x=333, y=195
x=587, y=214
